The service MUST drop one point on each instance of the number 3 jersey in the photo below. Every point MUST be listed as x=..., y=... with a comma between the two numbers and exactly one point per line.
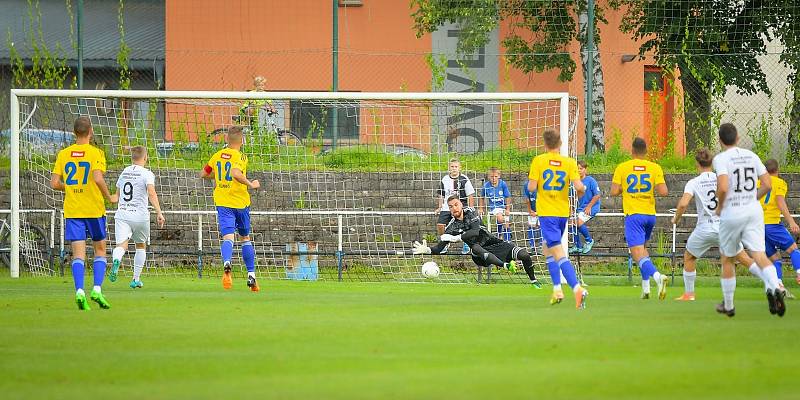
x=743, y=167
x=638, y=179
x=553, y=174
x=227, y=191
x=704, y=189
x=82, y=197
x=132, y=188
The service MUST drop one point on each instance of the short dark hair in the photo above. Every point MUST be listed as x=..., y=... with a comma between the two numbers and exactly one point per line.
x=552, y=140
x=639, y=146
x=453, y=196
x=703, y=157
x=583, y=164
x=728, y=134
x=772, y=165
x=82, y=126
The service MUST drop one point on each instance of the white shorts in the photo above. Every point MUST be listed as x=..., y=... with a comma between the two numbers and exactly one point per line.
x=500, y=211
x=703, y=238
x=533, y=221
x=583, y=217
x=747, y=231
x=137, y=231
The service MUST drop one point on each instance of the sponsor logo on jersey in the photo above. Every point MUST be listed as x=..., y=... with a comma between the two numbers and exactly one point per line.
x=639, y=168
x=77, y=154
x=226, y=156
x=555, y=163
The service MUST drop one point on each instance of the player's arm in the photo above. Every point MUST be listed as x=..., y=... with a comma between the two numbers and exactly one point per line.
x=766, y=185
x=99, y=180
x=683, y=203
x=56, y=183
x=787, y=215
x=616, y=182
x=238, y=176
x=153, y=197
x=207, y=172
x=661, y=185
x=722, y=191
x=592, y=202
x=661, y=189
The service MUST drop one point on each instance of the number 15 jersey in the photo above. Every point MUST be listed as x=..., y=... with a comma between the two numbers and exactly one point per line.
x=743, y=167
x=227, y=191
x=553, y=174
x=132, y=189
x=638, y=180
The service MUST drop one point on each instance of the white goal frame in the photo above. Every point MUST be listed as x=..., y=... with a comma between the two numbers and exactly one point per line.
x=16, y=123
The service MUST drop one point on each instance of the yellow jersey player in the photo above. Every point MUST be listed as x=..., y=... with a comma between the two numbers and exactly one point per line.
x=78, y=172
x=228, y=169
x=550, y=177
x=776, y=237
x=638, y=181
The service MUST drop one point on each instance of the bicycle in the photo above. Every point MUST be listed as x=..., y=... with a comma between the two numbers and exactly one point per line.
x=284, y=137
x=33, y=240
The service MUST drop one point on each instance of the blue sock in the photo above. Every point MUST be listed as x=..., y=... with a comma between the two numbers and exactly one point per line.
x=531, y=238
x=585, y=232
x=576, y=236
x=249, y=255
x=77, y=273
x=555, y=272
x=569, y=272
x=795, y=256
x=778, y=268
x=227, y=250
x=647, y=268
x=99, y=268
x=507, y=233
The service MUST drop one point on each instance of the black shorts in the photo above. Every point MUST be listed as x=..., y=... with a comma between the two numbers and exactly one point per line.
x=503, y=250
x=444, y=217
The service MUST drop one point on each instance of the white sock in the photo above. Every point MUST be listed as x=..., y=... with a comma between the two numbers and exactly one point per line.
x=646, y=286
x=96, y=289
x=770, y=276
x=577, y=288
x=556, y=287
x=563, y=279
x=657, y=277
x=79, y=291
x=251, y=274
x=688, y=280
x=118, y=253
x=139, y=259
x=728, y=288
x=756, y=271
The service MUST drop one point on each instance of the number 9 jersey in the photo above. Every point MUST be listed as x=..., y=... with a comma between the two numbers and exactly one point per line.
x=638, y=179
x=553, y=174
x=227, y=191
x=82, y=197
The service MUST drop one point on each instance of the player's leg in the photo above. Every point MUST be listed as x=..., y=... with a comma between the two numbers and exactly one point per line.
x=490, y=258
x=752, y=234
x=75, y=232
x=227, y=228
x=576, y=236
x=248, y=250
x=699, y=242
x=638, y=229
x=97, y=230
x=794, y=255
x=122, y=233
x=553, y=230
x=533, y=227
x=689, y=276
x=139, y=259
x=728, y=283
x=583, y=229
x=522, y=255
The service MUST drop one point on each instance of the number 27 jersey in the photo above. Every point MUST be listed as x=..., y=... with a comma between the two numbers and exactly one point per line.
x=553, y=173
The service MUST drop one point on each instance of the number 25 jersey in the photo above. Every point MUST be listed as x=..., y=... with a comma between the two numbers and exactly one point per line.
x=553, y=174
x=227, y=191
x=82, y=197
x=638, y=179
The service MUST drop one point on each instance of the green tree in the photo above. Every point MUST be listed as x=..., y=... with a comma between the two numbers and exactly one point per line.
x=788, y=30
x=541, y=32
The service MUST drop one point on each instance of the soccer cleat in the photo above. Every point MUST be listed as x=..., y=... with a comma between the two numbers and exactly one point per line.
x=773, y=307
x=98, y=298
x=536, y=284
x=780, y=305
x=465, y=249
x=587, y=247
x=112, y=276
x=136, y=284
x=511, y=266
x=252, y=284
x=557, y=297
x=575, y=250
x=721, y=309
x=80, y=299
x=686, y=297
x=645, y=295
x=227, y=280
x=662, y=287
x=580, y=298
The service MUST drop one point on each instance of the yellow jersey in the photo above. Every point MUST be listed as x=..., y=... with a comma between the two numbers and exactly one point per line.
x=553, y=174
x=638, y=180
x=82, y=197
x=227, y=191
x=772, y=215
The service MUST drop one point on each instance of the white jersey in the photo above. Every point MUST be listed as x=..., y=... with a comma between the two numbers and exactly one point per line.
x=743, y=167
x=133, y=200
x=704, y=189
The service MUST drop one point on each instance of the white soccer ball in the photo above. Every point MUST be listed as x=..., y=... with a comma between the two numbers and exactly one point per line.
x=430, y=270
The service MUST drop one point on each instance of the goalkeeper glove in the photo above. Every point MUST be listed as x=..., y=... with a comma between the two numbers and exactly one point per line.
x=450, y=238
x=421, y=248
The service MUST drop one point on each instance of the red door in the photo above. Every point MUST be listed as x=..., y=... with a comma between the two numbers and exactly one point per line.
x=657, y=108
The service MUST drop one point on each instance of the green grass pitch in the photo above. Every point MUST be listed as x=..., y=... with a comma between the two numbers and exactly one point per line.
x=183, y=338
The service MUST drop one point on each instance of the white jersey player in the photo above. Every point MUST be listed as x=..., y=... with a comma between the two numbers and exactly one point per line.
x=741, y=218
x=136, y=186
x=703, y=189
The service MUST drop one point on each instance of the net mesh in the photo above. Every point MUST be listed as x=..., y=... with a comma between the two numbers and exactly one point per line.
x=346, y=185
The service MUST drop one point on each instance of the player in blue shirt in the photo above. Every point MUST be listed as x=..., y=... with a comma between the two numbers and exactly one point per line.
x=534, y=231
x=496, y=199
x=588, y=207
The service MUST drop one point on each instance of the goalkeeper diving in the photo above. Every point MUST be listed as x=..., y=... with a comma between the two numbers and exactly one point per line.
x=486, y=249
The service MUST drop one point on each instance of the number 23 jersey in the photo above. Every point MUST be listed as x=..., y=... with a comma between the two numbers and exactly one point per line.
x=553, y=174
x=638, y=180
x=227, y=191
x=743, y=167
x=132, y=188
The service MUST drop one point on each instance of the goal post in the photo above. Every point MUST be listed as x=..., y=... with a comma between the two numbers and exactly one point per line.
x=355, y=201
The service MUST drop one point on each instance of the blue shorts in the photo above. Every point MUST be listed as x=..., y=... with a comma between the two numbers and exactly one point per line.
x=552, y=230
x=83, y=228
x=233, y=220
x=776, y=237
x=638, y=228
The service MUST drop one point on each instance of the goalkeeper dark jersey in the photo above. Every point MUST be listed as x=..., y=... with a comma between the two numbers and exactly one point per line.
x=471, y=230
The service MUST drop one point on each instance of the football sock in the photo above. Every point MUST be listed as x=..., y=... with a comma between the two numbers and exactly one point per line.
x=569, y=272
x=646, y=286
x=584, y=230
x=795, y=256
x=770, y=276
x=688, y=280
x=576, y=236
x=527, y=264
x=555, y=271
x=778, y=269
x=646, y=267
x=728, y=288
x=138, y=263
x=227, y=250
x=118, y=253
x=756, y=271
x=77, y=273
x=249, y=256
x=99, y=268
x=531, y=240
x=657, y=276
x=507, y=233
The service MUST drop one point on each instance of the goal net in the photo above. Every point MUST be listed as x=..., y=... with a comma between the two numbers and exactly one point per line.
x=348, y=180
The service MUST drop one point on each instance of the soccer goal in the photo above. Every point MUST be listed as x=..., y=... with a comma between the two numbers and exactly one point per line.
x=348, y=180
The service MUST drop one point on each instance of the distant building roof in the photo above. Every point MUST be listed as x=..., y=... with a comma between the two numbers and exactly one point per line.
x=143, y=24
